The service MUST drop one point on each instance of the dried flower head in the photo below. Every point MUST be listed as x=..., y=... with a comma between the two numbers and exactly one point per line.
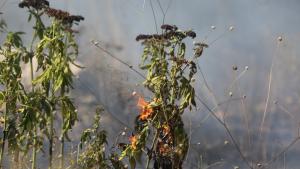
x=191, y=34
x=64, y=16
x=234, y=67
x=198, y=50
x=169, y=27
x=36, y=4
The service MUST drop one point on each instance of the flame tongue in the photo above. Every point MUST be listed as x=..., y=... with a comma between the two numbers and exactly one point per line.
x=146, y=109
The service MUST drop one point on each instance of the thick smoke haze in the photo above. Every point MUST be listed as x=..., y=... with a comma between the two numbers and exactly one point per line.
x=253, y=44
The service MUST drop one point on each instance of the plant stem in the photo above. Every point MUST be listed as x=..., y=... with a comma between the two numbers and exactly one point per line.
x=51, y=141
x=4, y=137
x=151, y=150
x=62, y=151
x=48, y=87
x=63, y=133
x=34, y=150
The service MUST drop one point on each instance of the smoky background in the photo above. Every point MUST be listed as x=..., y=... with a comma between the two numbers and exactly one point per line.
x=252, y=46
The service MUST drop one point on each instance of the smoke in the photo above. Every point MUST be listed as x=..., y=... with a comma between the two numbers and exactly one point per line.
x=253, y=43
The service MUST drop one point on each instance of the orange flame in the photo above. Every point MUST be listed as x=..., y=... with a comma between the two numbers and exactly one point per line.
x=146, y=109
x=133, y=140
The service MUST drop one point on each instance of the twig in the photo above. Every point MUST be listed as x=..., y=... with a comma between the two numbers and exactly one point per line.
x=151, y=150
x=219, y=37
x=268, y=94
x=96, y=44
x=236, y=79
x=244, y=110
x=154, y=17
x=219, y=120
x=267, y=102
x=265, y=166
x=284, y=109
x=228, y=132
x=167, y=9
x=207, y=86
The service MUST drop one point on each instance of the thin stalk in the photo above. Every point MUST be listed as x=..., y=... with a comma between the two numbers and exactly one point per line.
x=34, y=150
x=48, y=86
x=51, y=141
x=151, y=150
x=62, y=93
x=62, y=148
x=4, y=137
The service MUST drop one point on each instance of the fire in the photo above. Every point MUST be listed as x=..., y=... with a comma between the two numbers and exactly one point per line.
x=146, y=109
x=133, y=140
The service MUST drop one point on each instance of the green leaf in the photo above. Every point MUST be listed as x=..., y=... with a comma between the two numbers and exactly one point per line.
x=2, y=98
x=181, y=50
x=125, y=153
x=43, y=77
x=58, y=83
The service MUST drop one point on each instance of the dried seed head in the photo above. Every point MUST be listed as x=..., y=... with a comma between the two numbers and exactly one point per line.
x=234, y=67
x=142, y=37
x=191, y=34
x=95, y=42
x=169, y=27
x=134, y=93
x=64, y=16
x=37, y=4
x=200, y=44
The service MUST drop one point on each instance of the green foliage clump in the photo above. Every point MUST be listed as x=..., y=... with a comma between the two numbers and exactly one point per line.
x=170, y=76
x=29, y=112
x=93, y=146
